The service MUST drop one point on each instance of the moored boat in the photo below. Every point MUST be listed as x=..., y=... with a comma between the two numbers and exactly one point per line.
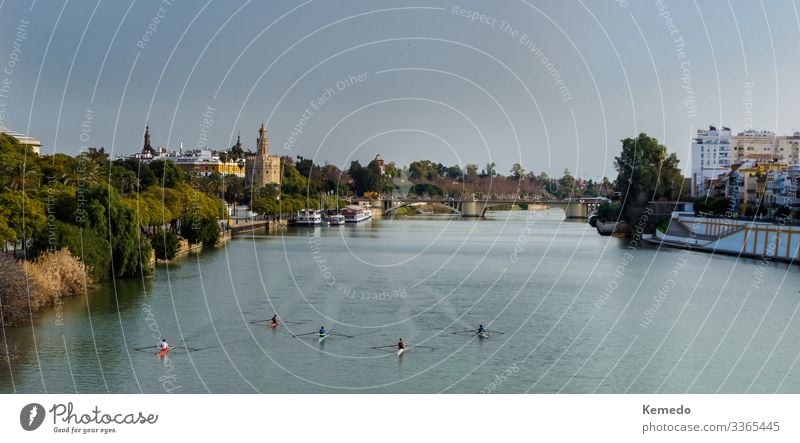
x=356, y=214
x=308, y=217
x=336, y=219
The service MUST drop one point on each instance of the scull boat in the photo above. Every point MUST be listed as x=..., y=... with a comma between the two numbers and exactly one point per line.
x=163, y=353
x=323, y=337
x=400, y=351
x=483, y=335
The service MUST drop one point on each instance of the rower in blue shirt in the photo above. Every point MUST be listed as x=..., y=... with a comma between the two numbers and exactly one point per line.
x=481, y=329
x=322, y=331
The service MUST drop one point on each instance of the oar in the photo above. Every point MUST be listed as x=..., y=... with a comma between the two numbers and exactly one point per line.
x=421, y=346
x=295, y=322
x=495, y=332
x=464, y=332
x=201, y=349
x=259, y=321
x=307, y=333
x=342, y=335
x=387, y=346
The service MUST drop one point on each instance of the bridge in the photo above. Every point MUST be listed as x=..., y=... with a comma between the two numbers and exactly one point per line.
x=574, y=208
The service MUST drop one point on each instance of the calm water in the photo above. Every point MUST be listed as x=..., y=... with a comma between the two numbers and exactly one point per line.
x=579, y=313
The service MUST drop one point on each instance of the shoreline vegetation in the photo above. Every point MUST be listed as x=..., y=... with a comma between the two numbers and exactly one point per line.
x=30, y=285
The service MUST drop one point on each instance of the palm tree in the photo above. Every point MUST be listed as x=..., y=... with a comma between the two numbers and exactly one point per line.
x=21, y=177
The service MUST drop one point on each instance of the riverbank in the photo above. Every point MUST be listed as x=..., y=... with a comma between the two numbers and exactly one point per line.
x=742, y=238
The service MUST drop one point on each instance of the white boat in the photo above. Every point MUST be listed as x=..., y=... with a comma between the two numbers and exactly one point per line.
x=483, y=335
x=336, y=219
x=309, y=217
x=323, y=337
x=356, y=214
x=400, y=352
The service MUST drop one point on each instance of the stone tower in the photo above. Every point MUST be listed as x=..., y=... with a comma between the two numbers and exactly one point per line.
x=261, y=168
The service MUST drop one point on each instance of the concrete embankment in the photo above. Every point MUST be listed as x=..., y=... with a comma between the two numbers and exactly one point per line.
x=743, y=238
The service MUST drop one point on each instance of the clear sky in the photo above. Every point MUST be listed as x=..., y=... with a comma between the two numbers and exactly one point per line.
x=550, y=84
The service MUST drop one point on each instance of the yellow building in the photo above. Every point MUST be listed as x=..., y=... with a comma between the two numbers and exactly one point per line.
x=205, y=164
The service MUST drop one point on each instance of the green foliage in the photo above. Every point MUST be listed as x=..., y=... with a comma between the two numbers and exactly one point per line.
x=422, y=169
x=646, y=172
x=426, y=189
x=491, y=170
x=292, y=182
x=197, y=229
x=24, y=216
x=165, y=244
x=167, y=173
x=111, y=218
x=517, y=172
x=92, y=249
x=472, y=170
x=144, y=175
x=364, y=179
x=608, y=211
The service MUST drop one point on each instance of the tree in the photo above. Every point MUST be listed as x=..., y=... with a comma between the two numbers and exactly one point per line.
x=292, y=181
x=141, y=170
x=196, y=230
x=472, y=170
x=165, y=244
x=517, y=172
x=111, y=218
x=25, y=216
x=92, y=249
x=391, y=170
x=426, y=189
x=167, y=173
x=645, y=172
x=567, y=182
x=490, y=169
x=422, y=169
x=363, y=178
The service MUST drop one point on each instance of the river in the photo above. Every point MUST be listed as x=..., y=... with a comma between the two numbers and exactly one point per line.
x=567, y=311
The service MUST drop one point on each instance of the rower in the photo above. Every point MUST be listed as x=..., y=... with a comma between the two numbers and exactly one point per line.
x=401, y=345
x=481, y=330
x=164, y=345
x=275, y=319
x=322, y=331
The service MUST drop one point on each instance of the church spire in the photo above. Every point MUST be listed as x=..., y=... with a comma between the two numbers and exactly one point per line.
x=147, y=147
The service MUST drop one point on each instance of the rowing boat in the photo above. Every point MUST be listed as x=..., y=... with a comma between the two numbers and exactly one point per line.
x=163, y=353
x=323, y=337
x=483, y=335
x=273, y=325
x=400, y=351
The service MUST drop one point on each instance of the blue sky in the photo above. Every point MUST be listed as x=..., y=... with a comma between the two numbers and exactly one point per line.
x=436, y=82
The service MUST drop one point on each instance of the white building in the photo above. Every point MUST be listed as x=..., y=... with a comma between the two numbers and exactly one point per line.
x=23, y=139
x=711, y=157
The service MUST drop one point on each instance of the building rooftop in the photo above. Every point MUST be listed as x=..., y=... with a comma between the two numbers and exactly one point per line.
x=34, y=143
